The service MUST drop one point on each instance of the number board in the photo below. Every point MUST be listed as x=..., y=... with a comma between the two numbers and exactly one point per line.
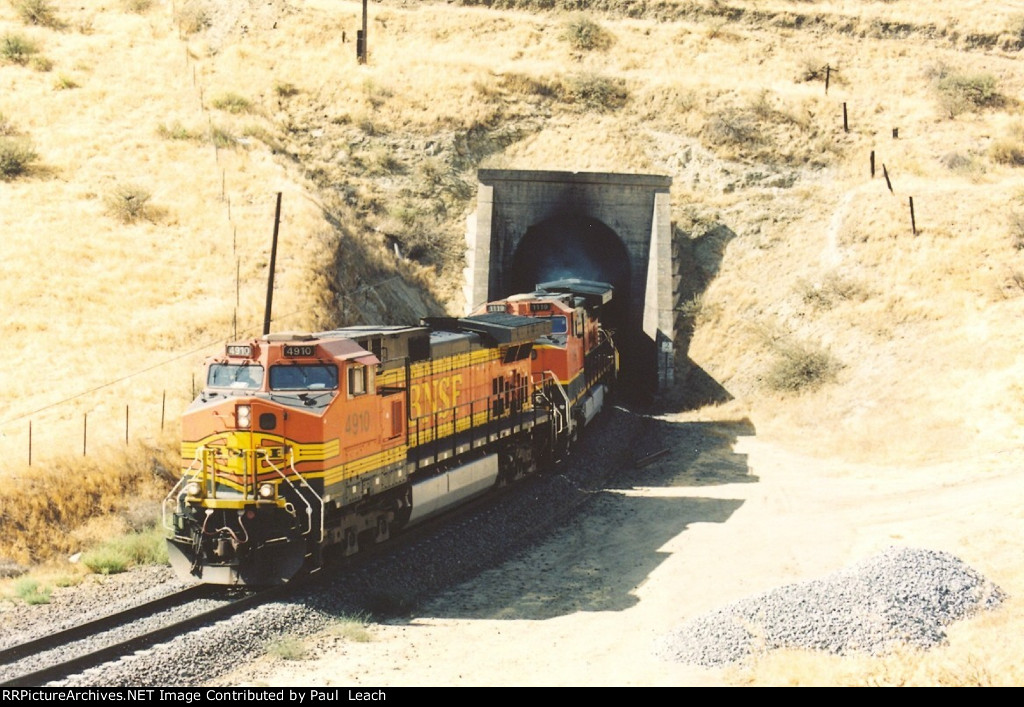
x=242, y=350
x=294, y=351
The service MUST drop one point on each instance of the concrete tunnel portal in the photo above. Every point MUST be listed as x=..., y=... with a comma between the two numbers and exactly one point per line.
x=532, y=227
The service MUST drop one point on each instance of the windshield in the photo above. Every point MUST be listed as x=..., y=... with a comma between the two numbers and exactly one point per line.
x=316, y=376
x=244, y=376
x=558, y=325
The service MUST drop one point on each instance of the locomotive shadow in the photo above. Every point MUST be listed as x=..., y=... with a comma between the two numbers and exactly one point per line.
x=596, y=561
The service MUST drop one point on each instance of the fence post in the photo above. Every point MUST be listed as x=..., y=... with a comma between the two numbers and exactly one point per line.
x=846, y=122
x=888, y=183
x=126, y=425
x=872, y=164
x=913, y=221
x=30, y=442
x=163, y=410
x=85, y=429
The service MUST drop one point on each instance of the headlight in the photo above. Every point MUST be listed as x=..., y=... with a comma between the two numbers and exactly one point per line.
x=266, y=490
x=193, y=488
x=243, y=416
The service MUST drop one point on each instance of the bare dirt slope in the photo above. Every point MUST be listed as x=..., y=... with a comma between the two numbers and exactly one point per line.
x=699, y=527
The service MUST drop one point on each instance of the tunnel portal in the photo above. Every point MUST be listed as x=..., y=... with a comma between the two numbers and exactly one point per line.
x=569, y=246
x=532, y=227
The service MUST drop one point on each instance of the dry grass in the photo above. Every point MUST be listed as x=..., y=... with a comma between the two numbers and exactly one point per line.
x=113, y=492
x=732, y=106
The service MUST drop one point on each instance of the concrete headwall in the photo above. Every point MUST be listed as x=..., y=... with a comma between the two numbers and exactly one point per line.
x=595, y=225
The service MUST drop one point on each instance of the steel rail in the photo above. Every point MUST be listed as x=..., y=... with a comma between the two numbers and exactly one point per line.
x=83, y=662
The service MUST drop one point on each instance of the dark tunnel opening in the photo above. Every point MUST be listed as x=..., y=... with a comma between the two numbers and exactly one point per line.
x=584, y=247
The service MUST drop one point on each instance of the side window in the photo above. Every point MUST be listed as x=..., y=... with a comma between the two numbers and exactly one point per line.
x=356, y=379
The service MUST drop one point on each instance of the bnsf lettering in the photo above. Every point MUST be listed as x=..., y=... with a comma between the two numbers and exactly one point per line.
x=434, y=396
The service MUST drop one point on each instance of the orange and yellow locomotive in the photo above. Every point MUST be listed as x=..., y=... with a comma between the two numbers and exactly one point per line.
x=303, y=442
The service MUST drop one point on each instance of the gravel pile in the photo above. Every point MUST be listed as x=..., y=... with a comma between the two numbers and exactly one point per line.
x=903, y=596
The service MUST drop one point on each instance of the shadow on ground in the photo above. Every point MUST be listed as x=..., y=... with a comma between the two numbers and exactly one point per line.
x=618, y=536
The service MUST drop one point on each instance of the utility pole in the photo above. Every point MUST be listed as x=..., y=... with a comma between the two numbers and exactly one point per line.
x=270, y=276
x=361, y=39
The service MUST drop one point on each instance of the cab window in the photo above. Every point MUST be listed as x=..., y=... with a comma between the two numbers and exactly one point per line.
x=316, y=376
x=239, y=376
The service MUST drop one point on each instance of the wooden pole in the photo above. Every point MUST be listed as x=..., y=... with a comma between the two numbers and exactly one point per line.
x=828, y=75
x=85, y=428
x=872, y=164
x=361, y=39
x=270, y=276
x=30, y=442
x=846, y=122
x=913, y=221
x=163, y=410
x=888, y=183
x=126, y=424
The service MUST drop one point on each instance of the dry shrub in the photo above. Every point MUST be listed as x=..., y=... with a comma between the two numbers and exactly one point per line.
x=1017, y=229
x=1013, y=38
x=801, y=367
x=596, y=93
x=37, y=12
x=232, y=103
x=833, y=289
x=63, y=82
x=223, y=137
x=959, y=93
x=16, y=157
x=1008, y=151
x=962, y=164
x=732, y=127
x=584, y=34
x=193, y=16
x=812, y=68
x=17, y=49
x=177, y=131
x=129, y=203
x=45, y=509
x=285, y=89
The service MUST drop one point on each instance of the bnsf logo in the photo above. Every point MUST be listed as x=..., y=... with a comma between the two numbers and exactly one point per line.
x=434, y=396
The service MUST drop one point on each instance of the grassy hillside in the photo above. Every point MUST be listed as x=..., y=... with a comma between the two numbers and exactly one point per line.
x=143, y=144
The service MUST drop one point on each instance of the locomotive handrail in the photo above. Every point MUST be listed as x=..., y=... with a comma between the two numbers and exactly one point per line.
x=174, y=491
x=309, y=506
x=562, y=422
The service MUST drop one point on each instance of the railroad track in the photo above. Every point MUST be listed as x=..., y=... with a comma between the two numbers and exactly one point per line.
x=75, y=650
